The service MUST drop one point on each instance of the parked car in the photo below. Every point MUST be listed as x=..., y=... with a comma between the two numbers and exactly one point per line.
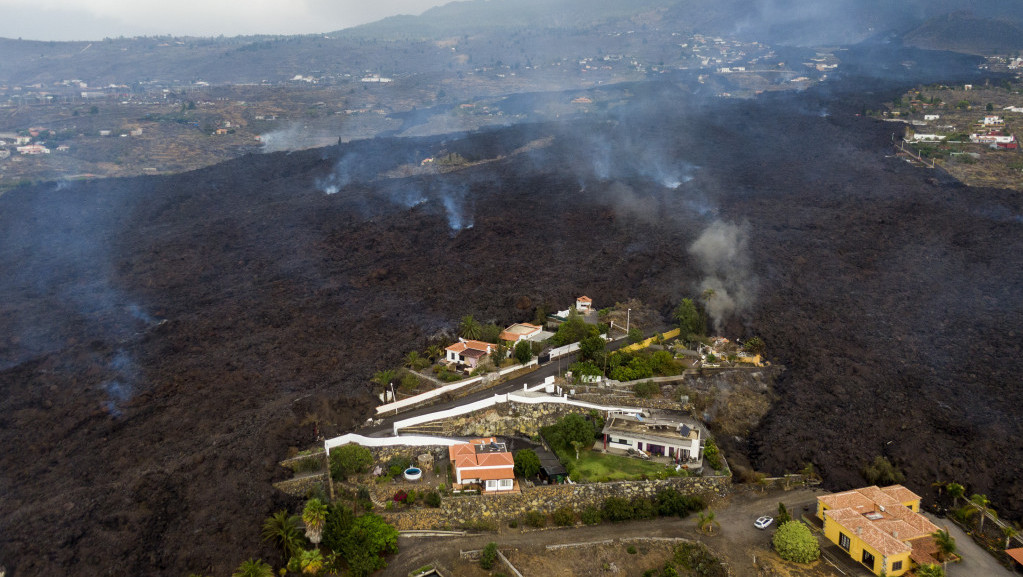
x=763, y=522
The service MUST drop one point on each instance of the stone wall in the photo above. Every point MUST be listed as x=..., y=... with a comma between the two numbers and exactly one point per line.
x=302, y=486
x=502, y=420
x=500, y=509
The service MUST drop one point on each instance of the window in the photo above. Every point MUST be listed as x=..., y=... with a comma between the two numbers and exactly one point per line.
x=491, y=485
x=868, y=559
x=506, y=483
x=896, y=566
x=843, y=541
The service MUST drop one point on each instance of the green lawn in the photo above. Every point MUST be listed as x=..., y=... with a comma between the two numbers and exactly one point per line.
x=594, y=467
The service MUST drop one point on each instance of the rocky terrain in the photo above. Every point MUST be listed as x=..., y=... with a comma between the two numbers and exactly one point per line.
x=165, y=340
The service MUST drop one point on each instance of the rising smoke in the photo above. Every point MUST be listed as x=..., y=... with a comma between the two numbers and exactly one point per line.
x=728, y=284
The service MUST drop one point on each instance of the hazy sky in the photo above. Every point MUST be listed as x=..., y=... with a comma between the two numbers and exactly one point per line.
x=97, y=19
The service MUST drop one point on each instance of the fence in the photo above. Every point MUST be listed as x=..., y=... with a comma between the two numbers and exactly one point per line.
x=410, y=440
x=647, y=342
x=412, y=401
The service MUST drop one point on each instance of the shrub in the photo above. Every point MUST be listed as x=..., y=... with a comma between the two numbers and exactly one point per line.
x=513, y=524
x=647, y=389
x=616, y=509
x=712, y=455
x=400, y=497
x=590, y=515
x=643, y=508
x=794, y=542
x=489, y=556
x=883, y=472
x=695, y=557
x=349, y=460
x=432, y=499
x=671, y=502
x=631, y=550
x=527, y=463
x=535, y=519
x=307, y=465
x=564, y=517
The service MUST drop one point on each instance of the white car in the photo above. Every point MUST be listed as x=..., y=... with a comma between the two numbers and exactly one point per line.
x=763, y=522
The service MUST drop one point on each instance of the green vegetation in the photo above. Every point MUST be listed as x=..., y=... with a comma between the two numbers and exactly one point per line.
x=590, y=515
x=882, y=472
x=489, y=556
x=707, y=521
x=647, y=390
x=564, y=517
x=348, y=460
x=783, y=515
x=667, y=503
x=314, y=515
x=282, y=529
x=698, y=560
x=593, y=467
x=712, y=455
x=755, y=346
x=253, y=567
x=527, y=463
x=692, y=321
x=794, y=542
x=523, y=352
x=930, y=570
x=535, y=519
x=643, y=364
x=574, y=330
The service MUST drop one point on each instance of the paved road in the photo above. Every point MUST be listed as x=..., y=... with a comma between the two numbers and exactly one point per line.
x=976, y=561
x=736, y=541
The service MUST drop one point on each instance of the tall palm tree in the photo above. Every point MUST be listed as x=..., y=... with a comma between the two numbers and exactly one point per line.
x=983, y=506
x=282, y=528
x=1009, y=531
x=930, y=570
x=707, y=521
x=314, y=516
x=469, y=328
x=955, y=490
x=253, y=568
x=946, y=545
x=434, y=352
x=412, y=360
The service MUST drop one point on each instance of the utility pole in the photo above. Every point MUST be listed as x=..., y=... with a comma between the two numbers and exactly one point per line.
x=628, y=315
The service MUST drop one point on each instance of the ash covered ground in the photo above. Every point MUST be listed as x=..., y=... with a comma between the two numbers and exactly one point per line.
x=166, y=339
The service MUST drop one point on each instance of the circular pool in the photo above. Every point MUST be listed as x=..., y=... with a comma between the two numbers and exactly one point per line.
x=413, y=474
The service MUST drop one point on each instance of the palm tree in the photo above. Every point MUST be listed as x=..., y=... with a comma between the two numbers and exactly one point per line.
x=311, y=562
x=314, y=516
x=946, y=545
x=469, y=328
x=253, y=568
x=955, y=490
x=434, y=352
x=982, y=506
x=384, y=378
x=412, y=360
x=283, y=529
x=707, y=521
x=930, y=570
x=1009, y=531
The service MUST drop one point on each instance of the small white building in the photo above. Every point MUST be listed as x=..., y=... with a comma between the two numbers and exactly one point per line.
x=918, y=137
x=932, y=116
x=33, y=149
x=584, y=304
x=993, y=121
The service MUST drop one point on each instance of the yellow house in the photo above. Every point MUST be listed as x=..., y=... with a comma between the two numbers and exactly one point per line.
x=881, y=528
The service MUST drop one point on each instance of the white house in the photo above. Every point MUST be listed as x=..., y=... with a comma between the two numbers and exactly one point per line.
x=993, y=137
x=931, y=116
x=483, y=462
x=521, y=332
x=468, y=352
x=33, y=149
x=992, y=121
x=584, y=304
x=918, y=137
x=667, y=437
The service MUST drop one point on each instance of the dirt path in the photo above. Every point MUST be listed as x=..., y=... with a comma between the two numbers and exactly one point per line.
x=735, y=542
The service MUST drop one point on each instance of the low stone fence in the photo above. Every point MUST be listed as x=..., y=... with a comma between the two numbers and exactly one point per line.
x=473, y=510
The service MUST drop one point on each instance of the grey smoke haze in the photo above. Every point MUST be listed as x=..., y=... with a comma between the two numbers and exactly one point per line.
x=722, y=251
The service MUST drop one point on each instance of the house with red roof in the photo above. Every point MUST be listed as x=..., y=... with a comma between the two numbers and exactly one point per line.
x=520, y=331
x=468, y=352
x=483, y=462
x=584, y=304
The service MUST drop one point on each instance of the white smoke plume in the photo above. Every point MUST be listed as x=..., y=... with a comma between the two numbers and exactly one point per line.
x=728, y=284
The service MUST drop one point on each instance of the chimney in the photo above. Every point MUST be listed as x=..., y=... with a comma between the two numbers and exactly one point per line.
x=859, y=530
x=895, y=534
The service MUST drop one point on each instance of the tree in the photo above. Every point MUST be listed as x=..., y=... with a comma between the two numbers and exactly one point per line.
x=489, y=556
x=434, y=352
x=990, y=107
x=794, y=542
x=309, y=562
x=469, y=328
x=592, y=349
x=384, y=378
x=981, y=505
x=882, y=472
x=946, y=544
x=1009, y=532
x=339, y=522
x=348, y=460
x=577, y=445
x=414, y=361
x=282, y=529
x=783, y=514
x=955, y=491
x=930, y=570
x=584, y=369
x=527, y=463
x=523, y=352
x=690, y=319
x=635, y=335
x=314, y=515
x=706, y=521
x=755, y=346
x=368, y=539
x=253, y=568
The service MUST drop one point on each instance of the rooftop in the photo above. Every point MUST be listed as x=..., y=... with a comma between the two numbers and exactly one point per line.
x=878, y=517
x=654, y=429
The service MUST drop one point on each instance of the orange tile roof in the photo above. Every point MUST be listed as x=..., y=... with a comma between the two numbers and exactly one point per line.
x=584, y=299
x=1016, y=554
x=517, y=331
x=468, y=344
x=893, y=524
